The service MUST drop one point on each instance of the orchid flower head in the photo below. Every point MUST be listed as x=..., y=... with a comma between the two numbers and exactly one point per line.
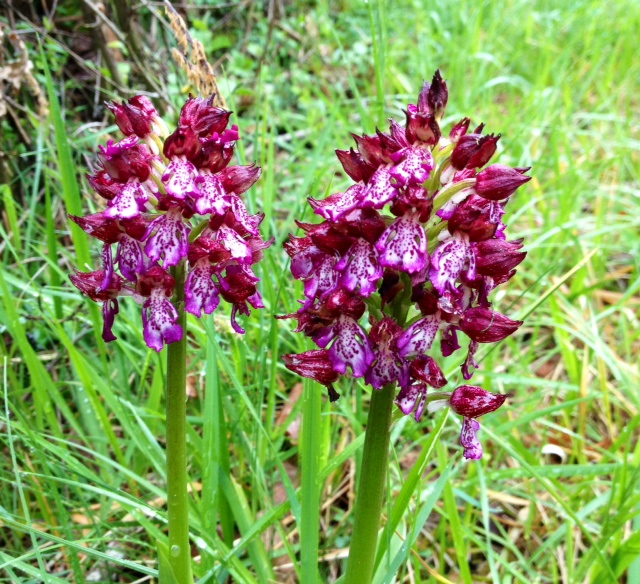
x=172, y=199
x=417, y=241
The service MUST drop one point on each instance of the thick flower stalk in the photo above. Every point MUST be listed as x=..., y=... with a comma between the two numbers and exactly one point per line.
x=172, y=198
x=418, y=242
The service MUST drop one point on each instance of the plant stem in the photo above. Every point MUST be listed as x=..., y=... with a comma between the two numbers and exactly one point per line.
x=371, y=484
x=310, y=496
x=177, y=495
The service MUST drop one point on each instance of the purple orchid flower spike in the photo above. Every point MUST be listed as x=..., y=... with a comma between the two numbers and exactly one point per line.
x=155, y=197
x=418, y=240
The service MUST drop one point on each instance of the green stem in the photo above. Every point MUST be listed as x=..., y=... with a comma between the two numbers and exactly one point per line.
x=177, y=495
x=371, y=484
x=310, y=495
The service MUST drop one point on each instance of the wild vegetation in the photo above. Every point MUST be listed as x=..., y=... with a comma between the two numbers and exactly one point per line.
x=556, y=496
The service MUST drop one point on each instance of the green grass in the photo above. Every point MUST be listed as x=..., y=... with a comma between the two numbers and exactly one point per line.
x=82, y=424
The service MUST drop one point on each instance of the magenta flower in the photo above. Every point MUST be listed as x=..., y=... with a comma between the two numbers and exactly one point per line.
x=160, y=189
x=418, y=239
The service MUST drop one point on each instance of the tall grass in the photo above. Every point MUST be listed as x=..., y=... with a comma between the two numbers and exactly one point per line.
x=556, y=498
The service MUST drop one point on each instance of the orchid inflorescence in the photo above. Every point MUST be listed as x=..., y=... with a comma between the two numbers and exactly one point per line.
x=428, y=267
x=171, y=199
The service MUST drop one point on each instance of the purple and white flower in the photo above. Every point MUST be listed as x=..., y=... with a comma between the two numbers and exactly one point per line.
x=150, y=205
x=417, y=237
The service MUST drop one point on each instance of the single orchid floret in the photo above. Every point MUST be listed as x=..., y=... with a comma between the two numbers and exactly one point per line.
x=472, y=402
x=387, y=367
x=417, y=239
x=498, y=182
x=159, y=316
x=314, y=365
x=426, y=369
x=159, y=187
x=136, y=116
x=403, y=246
x=486, y=326
x=93, y=285
x=498, y=257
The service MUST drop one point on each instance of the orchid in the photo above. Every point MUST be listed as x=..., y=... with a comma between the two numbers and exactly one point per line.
x=417, y=241
x=172, y=198
x=183, y=240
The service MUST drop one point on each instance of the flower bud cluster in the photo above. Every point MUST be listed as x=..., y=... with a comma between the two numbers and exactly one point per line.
x=418, y=241
x=172, y=198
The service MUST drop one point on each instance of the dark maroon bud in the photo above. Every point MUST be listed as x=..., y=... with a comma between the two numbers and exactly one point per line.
x=497, y=182
x=314, y=365
x=98, y=226
x=143, y=103
x=139, y=120
x=91, y=284
x=497, y=257
x=423, y=99
x=425, y=368
x=473, y=217
x=473, y=150
x=365, y=223
x=123, y=162
x=349, y=161
x=438, y=95
x=488, y=146
x=135, y=227
x=459, y=130
x=425, y=209
x=239, y=179
x=346, y=303
x=122, y=119
x=203, y=117
x=104, y=185
x=135, y=116
x=479, y=129
x=237, y=287
x=370, y=149
x=399, y=206
x=466, y=147
x=471, y=401
x=486, y=326
x=183, y=142
x=207, y=247
x=328, y=239
x=398, y=134
x=389, y=144
x=354, y=165
x=155, y=277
